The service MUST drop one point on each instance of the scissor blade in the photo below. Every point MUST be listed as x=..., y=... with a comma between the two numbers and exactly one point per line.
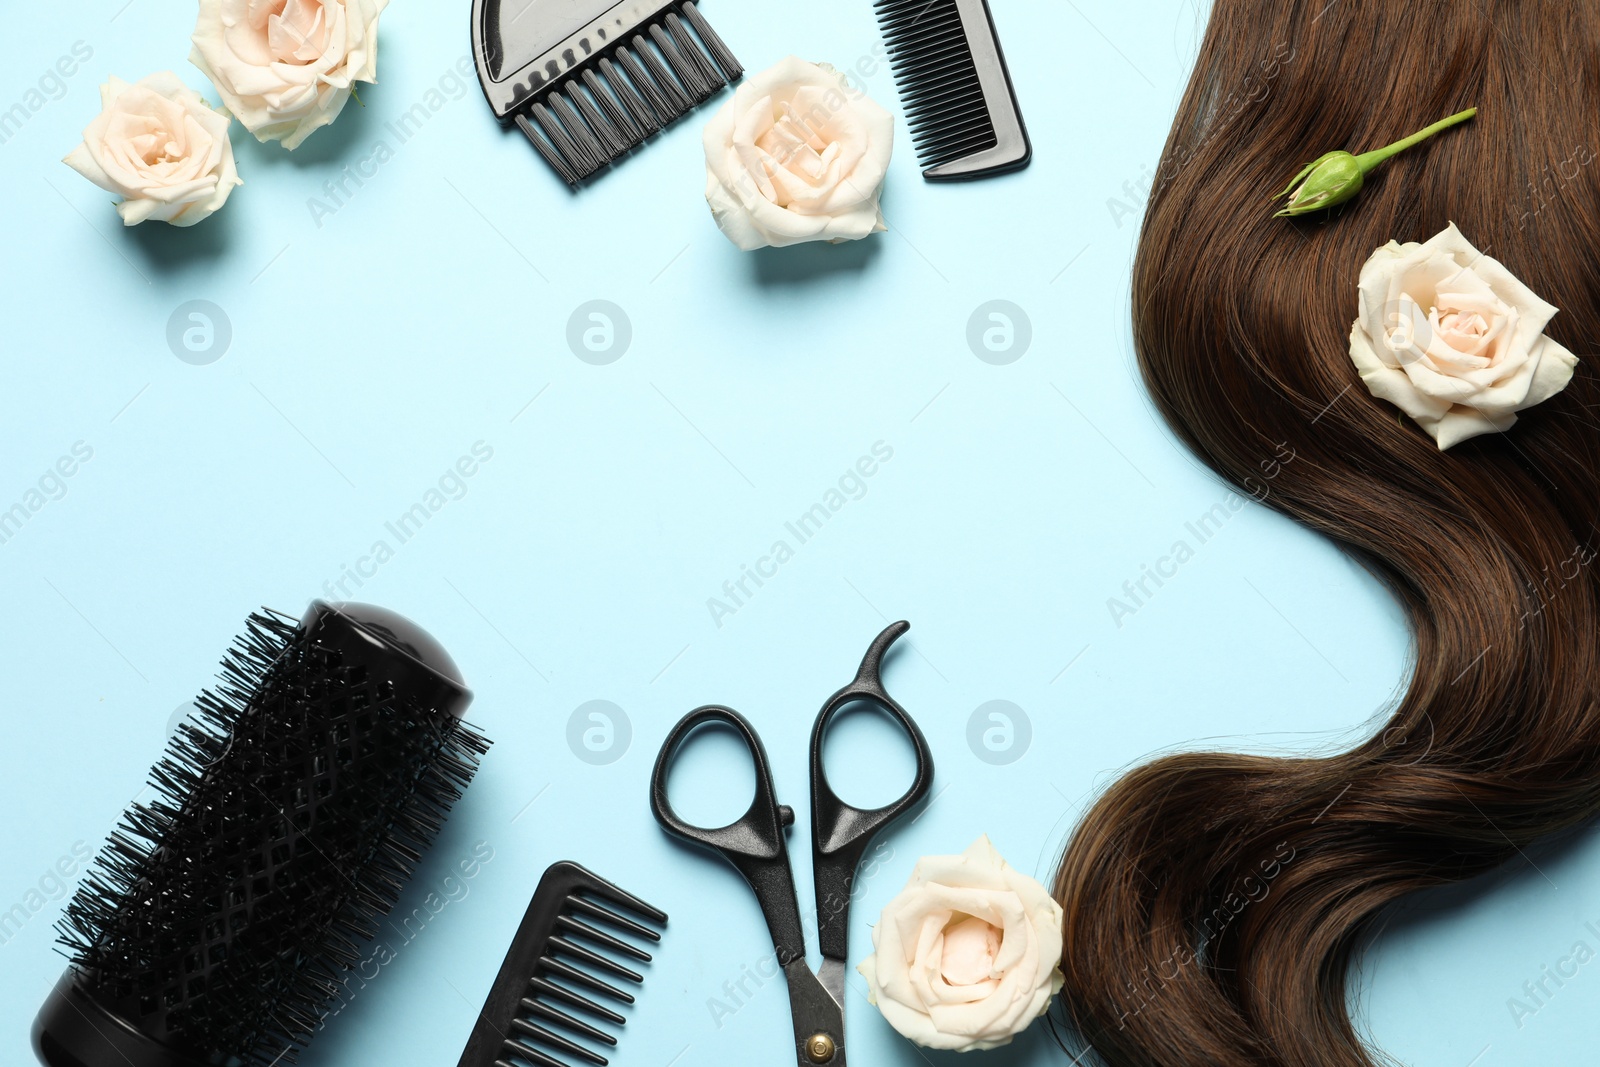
x=832, y=978
x=818, y=1015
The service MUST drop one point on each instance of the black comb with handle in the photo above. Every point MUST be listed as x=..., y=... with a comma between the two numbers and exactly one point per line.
x=953, y=81
x=553, y=972
x=590, y=80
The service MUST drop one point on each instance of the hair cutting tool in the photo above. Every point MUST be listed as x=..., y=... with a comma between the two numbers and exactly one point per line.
x=955, y=87
x=840, y=834
x=589, y=80
x=219, y=924
x=559, y=939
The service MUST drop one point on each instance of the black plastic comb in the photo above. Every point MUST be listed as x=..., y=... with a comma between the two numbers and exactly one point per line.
x=589, y=80
x=954, y=85
x=549, y=973
x=220, y=921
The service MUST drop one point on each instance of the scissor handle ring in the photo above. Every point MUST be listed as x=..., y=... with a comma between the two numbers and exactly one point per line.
x=839, y=822
x=753, y=843
x=841, y=832
x=758, y=833
x=836, y=823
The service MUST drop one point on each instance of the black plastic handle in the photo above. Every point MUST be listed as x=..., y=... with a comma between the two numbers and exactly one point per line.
x=754, y=843
x=841, y=833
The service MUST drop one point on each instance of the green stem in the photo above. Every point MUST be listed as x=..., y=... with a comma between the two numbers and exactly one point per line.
x=1369, y=160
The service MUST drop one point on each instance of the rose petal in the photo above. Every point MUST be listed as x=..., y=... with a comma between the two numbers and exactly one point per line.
x=969, y=950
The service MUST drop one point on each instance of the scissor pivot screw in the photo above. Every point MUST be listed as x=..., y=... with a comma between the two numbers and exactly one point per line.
x=819, y=1048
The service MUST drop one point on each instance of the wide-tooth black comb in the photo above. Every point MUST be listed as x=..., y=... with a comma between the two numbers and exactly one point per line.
x=959, y=104
x=224, y=918
x=590, y=80
x=549, y=973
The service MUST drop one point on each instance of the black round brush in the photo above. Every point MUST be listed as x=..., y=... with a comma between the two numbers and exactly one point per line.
x=217, y=925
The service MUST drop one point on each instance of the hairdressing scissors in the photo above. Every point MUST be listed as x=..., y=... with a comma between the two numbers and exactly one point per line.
x=840, y=835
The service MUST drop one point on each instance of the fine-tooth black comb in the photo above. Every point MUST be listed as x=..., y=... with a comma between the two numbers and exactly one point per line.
x=959, y=104
x=224, y=917
x=548, y=974
x=589, y=80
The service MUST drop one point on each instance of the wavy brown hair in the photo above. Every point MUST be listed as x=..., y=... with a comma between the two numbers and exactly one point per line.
x=1213, y=900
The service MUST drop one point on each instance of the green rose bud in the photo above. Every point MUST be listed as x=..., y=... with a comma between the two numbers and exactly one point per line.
x=1330, y=180
x=1337, y=176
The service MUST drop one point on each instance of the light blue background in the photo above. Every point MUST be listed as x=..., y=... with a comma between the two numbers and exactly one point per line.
x=429, y=313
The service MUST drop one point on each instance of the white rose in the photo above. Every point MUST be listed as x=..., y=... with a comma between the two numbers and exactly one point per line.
x=797, y=155
x=968, y=954
x=1453, y=339
x=285, y=67
x=161, y=147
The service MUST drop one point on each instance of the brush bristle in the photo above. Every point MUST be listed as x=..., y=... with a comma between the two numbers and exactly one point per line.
x=934, y=70
x=224, y=915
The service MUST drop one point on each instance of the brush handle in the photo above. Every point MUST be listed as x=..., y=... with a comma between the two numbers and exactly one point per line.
x=73, y=1029
x=544, y=43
